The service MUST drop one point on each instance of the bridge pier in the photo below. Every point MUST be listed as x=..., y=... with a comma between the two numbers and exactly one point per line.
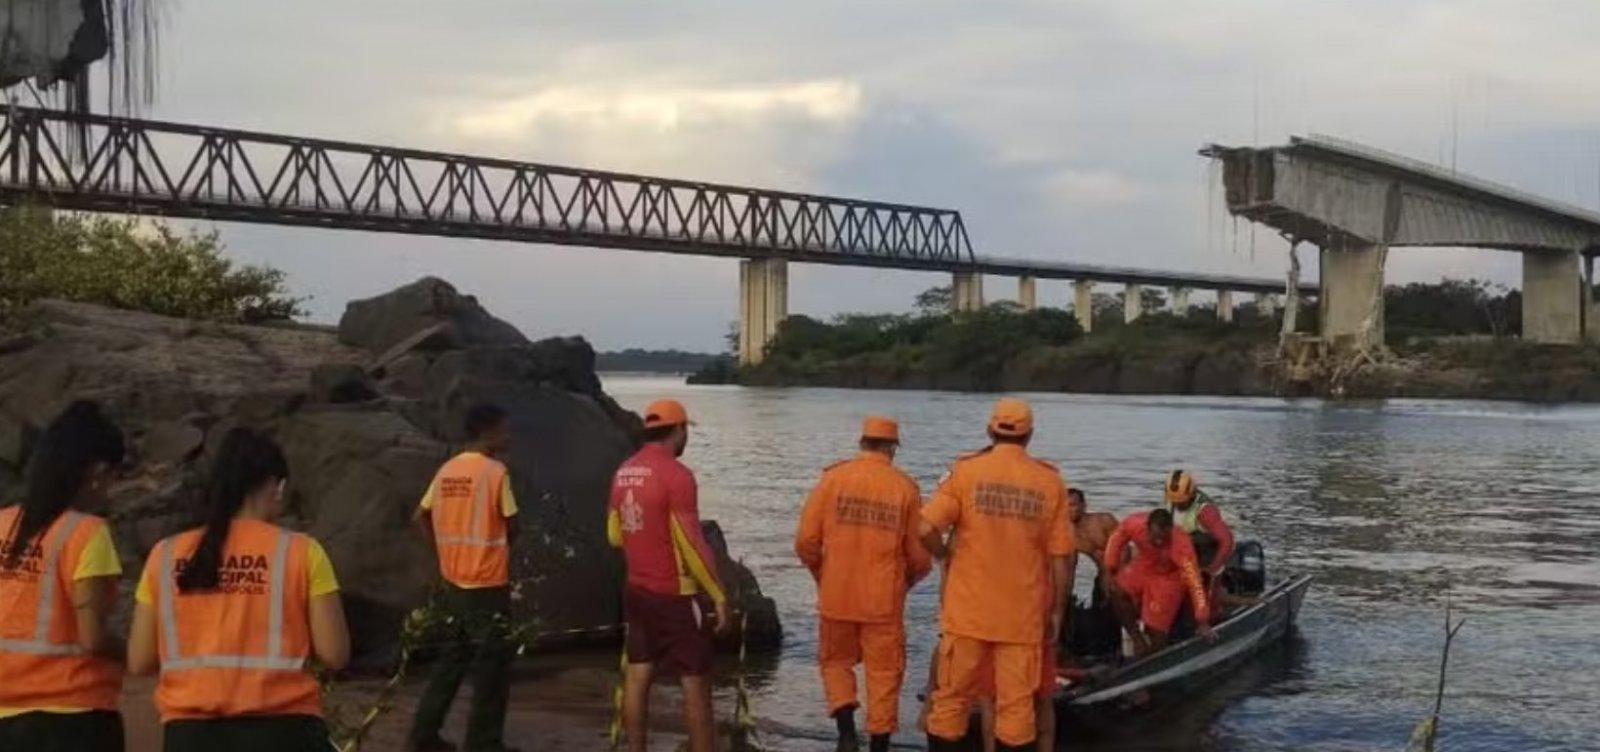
x=1591, y=332
x=763, y=304
x=1552, y=298
x=1132, y=303
x=1083, y=303
x=1180, y=301
x=1352, y=296
x=1225, y=305
x=966, y=292
x=1027, y=293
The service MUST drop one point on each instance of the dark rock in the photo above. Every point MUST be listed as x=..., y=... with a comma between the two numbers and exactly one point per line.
x=341, y=383
x=436, y=338
x=379, y=323
x=170, y=442
x=759, y=613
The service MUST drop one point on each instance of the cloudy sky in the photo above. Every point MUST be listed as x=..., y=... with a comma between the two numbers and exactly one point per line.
x=1062, y=129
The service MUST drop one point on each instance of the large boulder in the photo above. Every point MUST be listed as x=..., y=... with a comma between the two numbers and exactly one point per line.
x=365, y=414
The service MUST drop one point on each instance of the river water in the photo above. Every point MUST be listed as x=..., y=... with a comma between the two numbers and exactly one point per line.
x=1391, y=505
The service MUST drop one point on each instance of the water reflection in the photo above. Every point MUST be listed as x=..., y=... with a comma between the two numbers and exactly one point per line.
x=1389, y=505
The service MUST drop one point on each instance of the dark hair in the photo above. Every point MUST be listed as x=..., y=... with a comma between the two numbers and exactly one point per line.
x=482, y=418
x=1078, y=492
x=1159, y=518
x=659, y=433
x=246, y=462
x=1018, y=440
x=878, y=445
x=79, y=437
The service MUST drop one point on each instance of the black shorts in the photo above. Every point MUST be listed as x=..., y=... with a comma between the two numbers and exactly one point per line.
x=671, y=631
x=93, y=731
x=261, y=733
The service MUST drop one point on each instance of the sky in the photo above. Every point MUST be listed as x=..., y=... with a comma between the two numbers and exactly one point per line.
x=1061, y=129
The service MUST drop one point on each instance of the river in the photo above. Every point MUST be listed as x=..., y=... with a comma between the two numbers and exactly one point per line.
x=1391, y=505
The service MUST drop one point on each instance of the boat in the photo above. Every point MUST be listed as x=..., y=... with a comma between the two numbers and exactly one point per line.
x=1110, y=694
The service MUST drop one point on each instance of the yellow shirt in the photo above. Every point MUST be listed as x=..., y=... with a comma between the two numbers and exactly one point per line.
x=99, y=559
x=319, y=570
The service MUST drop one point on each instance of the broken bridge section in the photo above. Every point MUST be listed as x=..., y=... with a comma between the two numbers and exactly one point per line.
x=1355, y=203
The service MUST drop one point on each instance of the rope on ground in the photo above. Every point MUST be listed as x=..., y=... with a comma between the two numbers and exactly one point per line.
x=616, y=696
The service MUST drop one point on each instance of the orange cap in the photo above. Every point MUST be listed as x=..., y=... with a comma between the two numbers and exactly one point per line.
x=879, y=427
x=1011, y=417
x=665, y=413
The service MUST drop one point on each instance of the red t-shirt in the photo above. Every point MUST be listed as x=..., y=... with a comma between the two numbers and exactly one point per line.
x=654, y=518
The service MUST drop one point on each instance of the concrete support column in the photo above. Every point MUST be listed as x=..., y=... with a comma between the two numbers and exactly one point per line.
x=1225, y=305
x=763, y=304
x=1131, y=299
x=966, y=292
x=1180, y=300
x=1083, y=303
x=1267, y=304
x=1591, y=328
x=1352, y=296
x=1552, y=296
x=1027, y=293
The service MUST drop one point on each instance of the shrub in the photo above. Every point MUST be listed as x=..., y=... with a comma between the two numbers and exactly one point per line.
x=113, y=262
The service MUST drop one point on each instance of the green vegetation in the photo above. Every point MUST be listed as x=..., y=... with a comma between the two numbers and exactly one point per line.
x=117, y=262
x=635, y=360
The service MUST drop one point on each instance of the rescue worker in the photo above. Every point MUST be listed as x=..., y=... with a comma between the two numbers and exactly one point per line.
x=654, y=517
x=1195, y=514
x=1011, y=565
x=470, y=514
x=1150, y=588
x=58, y=587
x=1096, y=631
x=858, y=536
x=232, y=612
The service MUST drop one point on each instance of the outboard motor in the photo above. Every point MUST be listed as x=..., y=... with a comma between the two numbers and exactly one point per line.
x=1246, y=573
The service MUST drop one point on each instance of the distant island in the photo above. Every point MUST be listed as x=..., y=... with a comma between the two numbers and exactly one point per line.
x=637, y=360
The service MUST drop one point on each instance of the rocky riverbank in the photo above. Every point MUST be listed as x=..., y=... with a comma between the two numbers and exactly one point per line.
x=366, y=412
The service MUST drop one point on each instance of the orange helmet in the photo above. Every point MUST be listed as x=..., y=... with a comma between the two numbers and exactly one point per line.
x=1180, y=487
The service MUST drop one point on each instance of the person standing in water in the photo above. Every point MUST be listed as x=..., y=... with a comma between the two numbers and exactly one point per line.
x=58, y=585
x=858, y=537
x=232, y=613
x=654, y=517
x=1011, y=566
x=470, y=515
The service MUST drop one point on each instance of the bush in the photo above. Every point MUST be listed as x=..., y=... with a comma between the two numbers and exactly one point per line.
x=113, y=262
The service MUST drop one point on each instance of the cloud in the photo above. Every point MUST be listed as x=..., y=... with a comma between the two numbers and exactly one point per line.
x=822, y=102
x=1095, y=187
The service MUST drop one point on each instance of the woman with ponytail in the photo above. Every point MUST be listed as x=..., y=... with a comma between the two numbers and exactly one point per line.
x=232, y=612
x=59, y=673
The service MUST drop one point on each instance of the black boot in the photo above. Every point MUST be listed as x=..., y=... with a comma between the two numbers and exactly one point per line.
x=845, y=719
x=1003, y=747
x=880, y=743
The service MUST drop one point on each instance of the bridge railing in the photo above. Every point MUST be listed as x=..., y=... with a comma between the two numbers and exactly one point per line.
x=100, y=163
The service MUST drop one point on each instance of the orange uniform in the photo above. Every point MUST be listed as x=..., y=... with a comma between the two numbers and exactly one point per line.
x=470, y=501
x=242, y=648
x=1157, y=577
x=858, y=536
x=44, y=666
x=1008, y=510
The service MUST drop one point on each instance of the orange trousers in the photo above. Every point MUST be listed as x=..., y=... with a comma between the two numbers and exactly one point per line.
x=963, y=666
x=881, y=648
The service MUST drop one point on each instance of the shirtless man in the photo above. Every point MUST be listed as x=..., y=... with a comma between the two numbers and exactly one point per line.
x=1093, y=530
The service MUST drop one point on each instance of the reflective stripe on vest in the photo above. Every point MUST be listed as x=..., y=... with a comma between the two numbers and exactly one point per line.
x=272, y=661
x=478, y=529
x=41, y=644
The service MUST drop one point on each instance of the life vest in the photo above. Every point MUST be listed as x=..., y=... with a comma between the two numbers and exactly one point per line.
x=242, y=648
x=40, y=659
x=1188, y=520
x=468, y=527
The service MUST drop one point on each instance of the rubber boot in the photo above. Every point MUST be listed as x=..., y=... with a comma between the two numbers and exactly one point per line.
x=935, y=744
x=1003, y=747
x=845, y=719
x=880, y=743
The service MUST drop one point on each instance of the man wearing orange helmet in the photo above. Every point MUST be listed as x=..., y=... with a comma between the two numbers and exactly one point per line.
x=858, y=536
x=1194, y=513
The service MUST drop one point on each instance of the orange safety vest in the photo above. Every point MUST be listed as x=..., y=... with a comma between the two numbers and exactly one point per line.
x=40, y=659
x=240, y=649
x=467, y=524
